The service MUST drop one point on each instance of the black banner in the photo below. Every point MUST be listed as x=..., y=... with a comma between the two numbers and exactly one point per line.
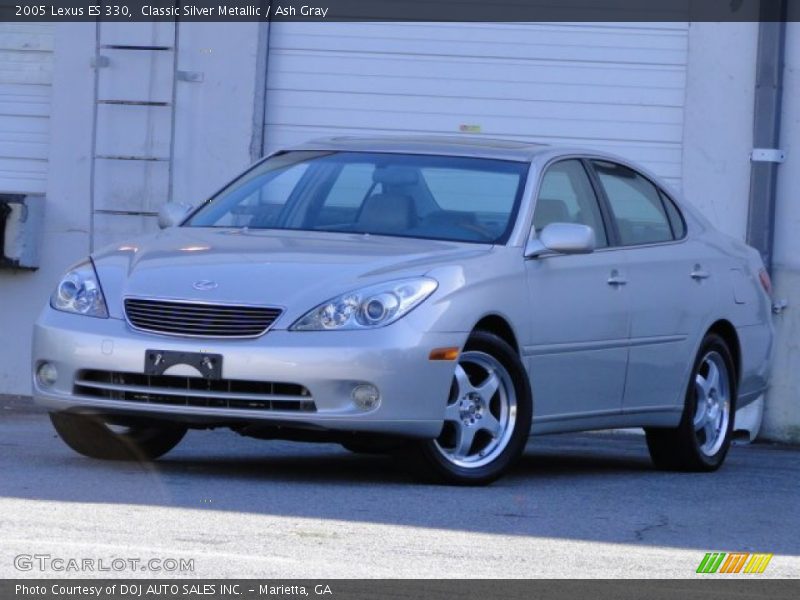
x=338, y=589
x=398, y=10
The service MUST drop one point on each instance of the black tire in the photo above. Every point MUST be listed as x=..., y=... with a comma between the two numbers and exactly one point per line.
x=679, y=449
x=91, y=436
x=429, y=456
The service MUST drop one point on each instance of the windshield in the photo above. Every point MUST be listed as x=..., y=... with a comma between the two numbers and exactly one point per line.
x=436, y=197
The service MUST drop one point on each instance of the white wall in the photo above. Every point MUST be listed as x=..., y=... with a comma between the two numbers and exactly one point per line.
x=66, y=228
x=782, y=414
x=718, y=124
x=213, y=134
x=214, y=123
x=717, y=142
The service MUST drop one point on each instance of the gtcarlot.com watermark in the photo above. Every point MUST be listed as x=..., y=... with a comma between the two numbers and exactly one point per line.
x=64, y=564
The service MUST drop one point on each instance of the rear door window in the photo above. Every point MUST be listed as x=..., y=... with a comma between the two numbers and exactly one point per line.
x=636, y=205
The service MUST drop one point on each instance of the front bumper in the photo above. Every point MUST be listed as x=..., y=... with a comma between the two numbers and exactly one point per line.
x=328, y=364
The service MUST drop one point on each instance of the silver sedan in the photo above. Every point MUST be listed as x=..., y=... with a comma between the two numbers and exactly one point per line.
x=442, y=298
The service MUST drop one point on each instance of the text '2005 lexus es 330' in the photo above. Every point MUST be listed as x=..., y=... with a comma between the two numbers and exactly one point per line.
x=439, y=297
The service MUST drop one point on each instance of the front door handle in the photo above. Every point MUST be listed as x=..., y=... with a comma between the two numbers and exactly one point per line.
x=699, y=273
x=616, y=279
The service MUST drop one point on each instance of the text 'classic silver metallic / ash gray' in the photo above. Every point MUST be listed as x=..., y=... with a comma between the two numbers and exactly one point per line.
x=441, y=298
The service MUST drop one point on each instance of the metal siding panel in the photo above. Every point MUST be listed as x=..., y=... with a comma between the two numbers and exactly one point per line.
x=316, y=62
x=124, y=33
x=293, y=79
x=112, y=229
x=22, y=176
x=26, y=63
x=617, y=87
x=26, y=36
x=138, y=131
x=586, y=113
x=136, y=76
x=132, y=185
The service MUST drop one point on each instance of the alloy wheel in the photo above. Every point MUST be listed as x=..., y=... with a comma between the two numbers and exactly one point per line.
x=713, y=406
x=481, y=411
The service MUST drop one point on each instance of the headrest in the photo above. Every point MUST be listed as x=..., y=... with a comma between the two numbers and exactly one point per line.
x=550, y=210
x=395, y=175
x=387, y=213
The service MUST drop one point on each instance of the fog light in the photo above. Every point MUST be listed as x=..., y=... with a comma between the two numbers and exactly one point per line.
x=366, y=396
x=47, y=374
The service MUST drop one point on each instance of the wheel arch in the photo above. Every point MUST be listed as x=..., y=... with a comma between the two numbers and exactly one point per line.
x=499, y=326
x=726, y=330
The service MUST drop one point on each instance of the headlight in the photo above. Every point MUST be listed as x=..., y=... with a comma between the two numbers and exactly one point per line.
x=368, y=308
x=79, y=292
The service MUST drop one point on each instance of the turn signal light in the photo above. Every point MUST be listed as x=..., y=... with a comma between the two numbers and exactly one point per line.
x=444, y=354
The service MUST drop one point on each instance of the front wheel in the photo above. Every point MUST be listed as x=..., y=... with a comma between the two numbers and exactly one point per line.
x=703, y=437
x=95, y=437
x=487, y=416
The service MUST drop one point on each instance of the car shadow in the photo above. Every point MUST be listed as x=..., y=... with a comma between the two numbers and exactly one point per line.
x=597, y=487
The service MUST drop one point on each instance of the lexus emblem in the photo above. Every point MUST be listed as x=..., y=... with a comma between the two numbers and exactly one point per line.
x=204, y=285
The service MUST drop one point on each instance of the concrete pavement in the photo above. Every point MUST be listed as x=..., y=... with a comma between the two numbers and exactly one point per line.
x=576, y=506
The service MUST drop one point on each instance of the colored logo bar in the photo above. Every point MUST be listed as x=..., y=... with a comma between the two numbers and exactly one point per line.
x=734, y=562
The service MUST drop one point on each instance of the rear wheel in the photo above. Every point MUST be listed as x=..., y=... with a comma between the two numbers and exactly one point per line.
x=703, y=437
x=487, y=416
x=95, y=437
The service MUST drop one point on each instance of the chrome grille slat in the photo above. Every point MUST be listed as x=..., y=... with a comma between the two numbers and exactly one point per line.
x=156, y=310
x=182, y=392
x=172, y=317
x=146, y=303
x=181, y=323
x=198, y=319
x=194, y=391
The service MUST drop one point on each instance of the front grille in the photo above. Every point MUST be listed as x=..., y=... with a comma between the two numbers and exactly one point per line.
x=194, y=391
x=199, y=320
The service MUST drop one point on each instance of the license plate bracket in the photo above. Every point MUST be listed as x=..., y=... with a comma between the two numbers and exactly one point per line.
x=208, y=365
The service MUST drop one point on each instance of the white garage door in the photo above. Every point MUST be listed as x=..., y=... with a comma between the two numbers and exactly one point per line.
x=617, y=87
x=26, y=67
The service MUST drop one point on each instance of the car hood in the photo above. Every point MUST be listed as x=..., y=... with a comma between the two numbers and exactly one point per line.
x=293, y=270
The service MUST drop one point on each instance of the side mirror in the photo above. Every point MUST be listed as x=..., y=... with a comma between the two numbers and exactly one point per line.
x=172, y=213
x=562, y=238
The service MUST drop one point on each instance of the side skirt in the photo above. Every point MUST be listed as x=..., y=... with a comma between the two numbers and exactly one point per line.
x=657, y=417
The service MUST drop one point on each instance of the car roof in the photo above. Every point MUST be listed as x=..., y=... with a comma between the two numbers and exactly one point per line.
x=448, y=145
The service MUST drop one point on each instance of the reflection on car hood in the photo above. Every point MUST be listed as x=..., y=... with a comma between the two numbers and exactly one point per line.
x=291, y=269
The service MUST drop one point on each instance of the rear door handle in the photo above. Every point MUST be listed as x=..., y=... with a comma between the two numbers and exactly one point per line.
x=699, y=273
x=616, y=279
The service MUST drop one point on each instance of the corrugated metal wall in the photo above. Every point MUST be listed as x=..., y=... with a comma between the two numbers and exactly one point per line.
x=616, y=87
x=26, y=72
x=133, y=132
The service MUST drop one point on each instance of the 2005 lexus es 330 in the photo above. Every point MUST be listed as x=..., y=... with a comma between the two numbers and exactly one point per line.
x=443, y=297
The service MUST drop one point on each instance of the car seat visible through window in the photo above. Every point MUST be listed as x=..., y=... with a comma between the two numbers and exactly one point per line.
x=550, y=210
x=387, y=213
